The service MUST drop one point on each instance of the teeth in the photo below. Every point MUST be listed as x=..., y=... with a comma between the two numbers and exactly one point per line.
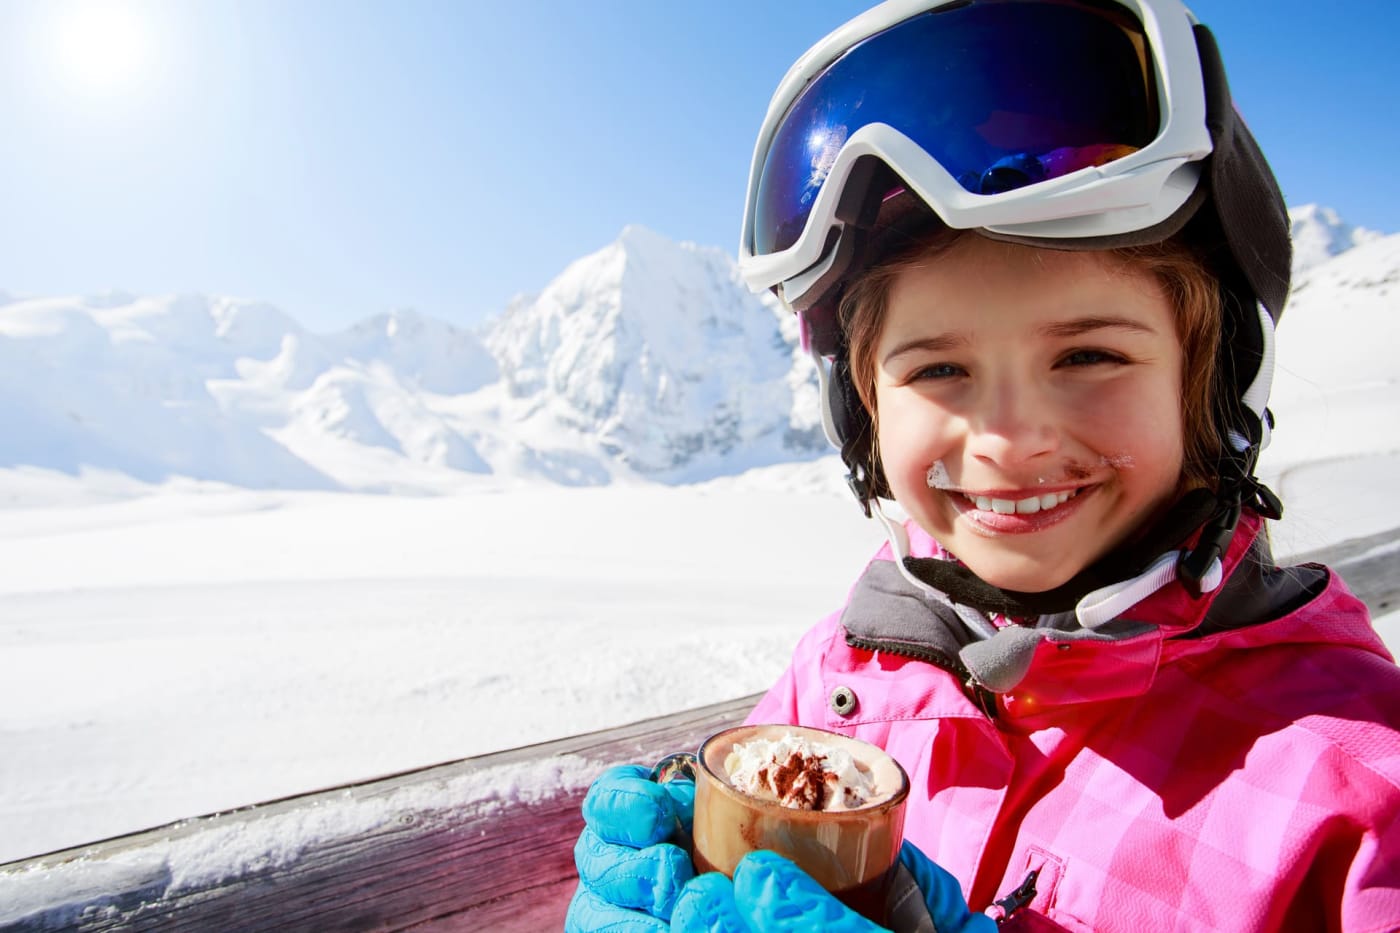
x=1028, y=506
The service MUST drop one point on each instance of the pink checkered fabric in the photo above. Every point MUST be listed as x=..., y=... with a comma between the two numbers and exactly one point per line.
x=1248, y=780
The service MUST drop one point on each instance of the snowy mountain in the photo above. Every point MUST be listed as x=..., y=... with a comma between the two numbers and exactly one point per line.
x=1319, y=234
x=1336, y=377
x=646, y=359
x=655, y=353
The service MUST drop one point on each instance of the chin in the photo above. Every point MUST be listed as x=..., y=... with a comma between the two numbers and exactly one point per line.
x=1024, y=579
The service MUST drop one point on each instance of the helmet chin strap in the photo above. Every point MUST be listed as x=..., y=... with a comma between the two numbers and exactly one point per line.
x=1256, y=397
x=977, y=622
x=1240, y=488
x=1093, y=610
x=1109, y=602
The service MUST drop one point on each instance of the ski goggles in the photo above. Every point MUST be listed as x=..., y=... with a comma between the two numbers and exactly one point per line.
x=1038, y=118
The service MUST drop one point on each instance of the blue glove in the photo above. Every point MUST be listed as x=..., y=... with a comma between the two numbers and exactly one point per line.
x=629, y=875
x=768, y=893
x=771, y=893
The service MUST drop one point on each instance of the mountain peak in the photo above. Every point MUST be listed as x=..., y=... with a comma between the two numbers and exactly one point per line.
x=1319, y=234
x=654, y=352
x=639, y=242
x=642, y=235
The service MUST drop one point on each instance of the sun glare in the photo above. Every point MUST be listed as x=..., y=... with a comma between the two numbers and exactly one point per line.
x=101, y=47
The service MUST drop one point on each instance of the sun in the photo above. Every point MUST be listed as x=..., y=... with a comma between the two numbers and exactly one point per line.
x=101, y=47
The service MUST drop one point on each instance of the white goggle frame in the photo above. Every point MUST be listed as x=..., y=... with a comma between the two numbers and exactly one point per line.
x=1128, y=194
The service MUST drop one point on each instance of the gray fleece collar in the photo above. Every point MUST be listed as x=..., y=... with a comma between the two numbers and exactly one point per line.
x=887, y=612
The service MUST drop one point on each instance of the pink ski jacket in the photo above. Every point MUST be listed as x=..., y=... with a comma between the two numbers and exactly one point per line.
x=1247, y=778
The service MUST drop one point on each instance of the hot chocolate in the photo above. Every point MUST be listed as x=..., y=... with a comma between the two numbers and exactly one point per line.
x=831, y=803
x=800, y=772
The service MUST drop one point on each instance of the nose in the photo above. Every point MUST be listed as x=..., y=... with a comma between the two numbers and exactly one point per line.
x=1013, y=424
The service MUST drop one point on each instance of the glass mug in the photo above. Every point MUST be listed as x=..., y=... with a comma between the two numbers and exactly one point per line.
x=851, y=853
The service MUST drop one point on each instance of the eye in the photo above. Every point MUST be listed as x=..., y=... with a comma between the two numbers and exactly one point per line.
x=1078, y=358
x=937, y=371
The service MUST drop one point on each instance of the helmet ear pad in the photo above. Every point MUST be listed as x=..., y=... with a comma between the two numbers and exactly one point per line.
x=855, y=431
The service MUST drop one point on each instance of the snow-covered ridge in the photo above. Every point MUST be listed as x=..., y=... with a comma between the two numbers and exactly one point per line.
x=646, y=360
x=1319, y=234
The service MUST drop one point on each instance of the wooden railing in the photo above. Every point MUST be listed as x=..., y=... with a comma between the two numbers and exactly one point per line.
x=480, y=844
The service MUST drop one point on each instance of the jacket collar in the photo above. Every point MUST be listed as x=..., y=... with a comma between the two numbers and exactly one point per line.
x=1053, y=658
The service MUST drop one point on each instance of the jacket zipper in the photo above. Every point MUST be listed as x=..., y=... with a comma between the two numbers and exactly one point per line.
x=984, y=699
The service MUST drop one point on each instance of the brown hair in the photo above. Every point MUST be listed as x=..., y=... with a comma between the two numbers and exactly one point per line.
x=1190, y=287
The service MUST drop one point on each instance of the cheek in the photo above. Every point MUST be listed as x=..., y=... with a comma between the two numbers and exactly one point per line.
x=1140, y=422
x=912, y=433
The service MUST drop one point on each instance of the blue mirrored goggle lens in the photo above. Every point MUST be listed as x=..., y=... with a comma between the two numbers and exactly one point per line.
x=1002, y=93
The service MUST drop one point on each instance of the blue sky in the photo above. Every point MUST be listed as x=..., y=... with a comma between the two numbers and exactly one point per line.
x=340, y=159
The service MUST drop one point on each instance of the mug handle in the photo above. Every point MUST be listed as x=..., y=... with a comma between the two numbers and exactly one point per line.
x=680, y=764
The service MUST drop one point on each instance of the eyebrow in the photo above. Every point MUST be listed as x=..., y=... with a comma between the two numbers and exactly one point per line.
x=938, y=344
x=1084, y=325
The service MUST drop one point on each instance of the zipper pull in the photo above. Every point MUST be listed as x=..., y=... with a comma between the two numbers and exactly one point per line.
x=1008, y=905
x=984, y=699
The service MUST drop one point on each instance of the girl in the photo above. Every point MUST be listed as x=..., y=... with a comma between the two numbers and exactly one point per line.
x=1045, y=258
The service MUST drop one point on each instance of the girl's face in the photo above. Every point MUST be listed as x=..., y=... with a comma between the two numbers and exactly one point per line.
x=1029, y=410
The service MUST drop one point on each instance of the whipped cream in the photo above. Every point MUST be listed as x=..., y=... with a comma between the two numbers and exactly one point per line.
x=799, y=773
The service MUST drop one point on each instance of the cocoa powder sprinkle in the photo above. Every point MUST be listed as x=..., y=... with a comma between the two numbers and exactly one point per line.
x=800, y=781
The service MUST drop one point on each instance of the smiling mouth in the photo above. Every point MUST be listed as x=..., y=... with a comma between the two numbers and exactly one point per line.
x=1027, y=506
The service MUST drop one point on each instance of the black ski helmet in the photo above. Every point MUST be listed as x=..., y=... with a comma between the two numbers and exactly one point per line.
x=857, y=171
